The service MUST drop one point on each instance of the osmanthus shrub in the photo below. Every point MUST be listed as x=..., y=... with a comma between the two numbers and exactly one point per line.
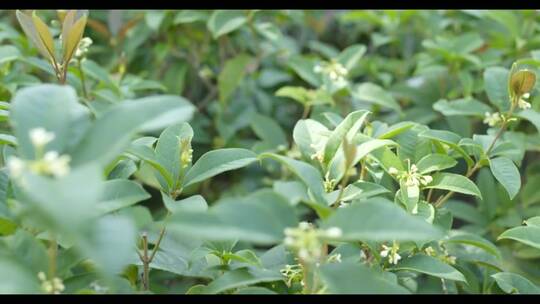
x=237, y=152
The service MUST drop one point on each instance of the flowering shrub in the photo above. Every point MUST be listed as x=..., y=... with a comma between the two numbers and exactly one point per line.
x=241, y=152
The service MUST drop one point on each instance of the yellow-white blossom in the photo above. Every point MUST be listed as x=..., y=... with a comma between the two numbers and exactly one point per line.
x=15, y=166
x=40, y=137
x=411, y=177
x=54, y=286
x=307, y=241
x=522, y=103
x=391, y=253
x=493, y=119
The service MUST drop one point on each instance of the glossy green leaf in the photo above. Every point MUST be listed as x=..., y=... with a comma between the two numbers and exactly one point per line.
x=347, y=129
x=372, y=93
x=305, y=172
x=435, y=162
x=232, y=74
x=454, y=182
x=112, y=132
x=353, y=278
x=430, y=266
x=218, y=161
x=223, y=22
x=514, y=283
x=507, y=174
x=119, y=194
x=370, y=221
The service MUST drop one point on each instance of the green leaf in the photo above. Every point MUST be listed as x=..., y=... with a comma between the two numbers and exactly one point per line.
x=241, y=277
x=168, y=150
x=462, y=237
x=29, y=27
x=507, y=174
x=514, y=283
x=361, y=190
x=148, y=155
x=465, y=106
x=189, y=204
x=305, y=172
x=112, y=132
x=17, y=278
x=372, y=93
x=8, y=53
x=450, y=139
x=309, y=132
x=189, y=16
x=304, y=68
x=435, y=162
x=350, y=56
x=353, y=278
x=496, y=86
x=6, y=139
x=533, y=221
x=232, y=74
x=529, y=235
x=119, y=194
x=258, y=218
x=268, y=130
x=380, y=220
x=223, y=22
x=430, y=266
x=218, y=161
x=109, y=244
x=395, y=130
x=454, y=182
x=67, y=204
x=52, y=107
x=346, y=129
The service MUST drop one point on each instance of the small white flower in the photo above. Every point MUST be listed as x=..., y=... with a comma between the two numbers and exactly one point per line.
x=289, y=241
x=41, y=276
x=58, y=165
x=40, y=137
x=426, y=179
x=522, y=104
x=385, y=251
x=58, y=285
x=394, y=258
x=492, y=119
x=303, y=254
x=303, y=225
x=430, y=251
x=526, y=95
x=334, y=232
x=288, y=231
x=317, y=69
x=393, y=171
x=15, y=166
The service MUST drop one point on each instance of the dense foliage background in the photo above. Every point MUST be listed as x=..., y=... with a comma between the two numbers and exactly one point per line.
x=270, y=152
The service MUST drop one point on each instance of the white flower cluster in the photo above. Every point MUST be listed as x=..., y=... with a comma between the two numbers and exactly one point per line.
x=54, y=286
x=493, y=119
x=522, y=103
x=51, y=163
x=306, y=240
x=186, y=153
x=82, y=48
x=411, y=177
x=335, y=71
x=292, y=274
x=319, y=149
x=391, y=253
x=329, y=184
